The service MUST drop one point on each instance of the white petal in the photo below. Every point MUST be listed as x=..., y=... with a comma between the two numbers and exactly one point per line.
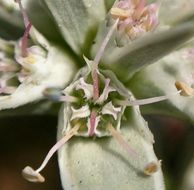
x=105, y=93
x=59, y=70
x=111, y=110
x=80, y=113
x=87, y=88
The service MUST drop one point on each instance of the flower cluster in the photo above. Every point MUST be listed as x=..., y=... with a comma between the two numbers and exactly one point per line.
x=135, y=17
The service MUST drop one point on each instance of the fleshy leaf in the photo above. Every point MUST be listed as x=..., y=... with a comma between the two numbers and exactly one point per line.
x=142, y=52
x=100, y=163
x=77, y=21
x=160, y=78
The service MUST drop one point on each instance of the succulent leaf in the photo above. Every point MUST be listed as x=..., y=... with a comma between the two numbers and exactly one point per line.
x=127, y=60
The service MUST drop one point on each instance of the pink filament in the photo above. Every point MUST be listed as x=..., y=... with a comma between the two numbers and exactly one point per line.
x=92, y=123
x=95, y=84
x=121, y=141
x=24, y=40
x=58, y=145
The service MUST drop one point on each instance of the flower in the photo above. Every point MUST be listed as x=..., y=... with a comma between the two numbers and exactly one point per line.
x=135, y=17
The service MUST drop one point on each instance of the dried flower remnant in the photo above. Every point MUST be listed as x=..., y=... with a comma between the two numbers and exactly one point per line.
x=135, y=17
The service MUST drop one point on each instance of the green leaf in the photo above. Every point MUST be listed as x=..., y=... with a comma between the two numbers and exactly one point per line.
x=10, y=22
x=100, y=163
x=169, y=9
x=144, y=51
x=159, y=79
x=76, y=20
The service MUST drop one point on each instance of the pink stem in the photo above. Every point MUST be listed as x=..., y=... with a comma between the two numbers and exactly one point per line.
x=24, y=15
x=97, y=60
x=57, y=146
x=24, y=40
x=95, y=84
x=92, y=123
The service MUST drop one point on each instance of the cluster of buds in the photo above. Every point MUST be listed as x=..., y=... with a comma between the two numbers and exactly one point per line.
x=135, y=17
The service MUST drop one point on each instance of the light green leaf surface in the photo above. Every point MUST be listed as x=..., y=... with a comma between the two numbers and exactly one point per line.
x=159, y=79
x=11, y=25
x=76, y=21
x=144, y=51
x=169, y=9
x=101, y=163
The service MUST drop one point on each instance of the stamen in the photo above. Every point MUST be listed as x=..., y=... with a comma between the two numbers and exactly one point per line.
x=27, y=23
x=33, y=175
x=97, y=59
x=24, y=41
x=119, y=13
x=55, y=94
x=104, y=43
x=185, y=90
x=147, y=100
x=24, y=15
x=120, y=140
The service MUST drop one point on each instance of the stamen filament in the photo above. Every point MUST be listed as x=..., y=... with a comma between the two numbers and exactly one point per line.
x=147, y=100
x=24, y=15
x=97, y=60
x=68, y=98
x=58, y=145
x=120, y=140
x=104, y=43
x=33, y=175
x=24, y=40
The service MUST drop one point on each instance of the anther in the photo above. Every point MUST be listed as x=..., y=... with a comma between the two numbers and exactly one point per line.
x=55, y=94
x=185, y=90
x=34, y=175
x=152, y=167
